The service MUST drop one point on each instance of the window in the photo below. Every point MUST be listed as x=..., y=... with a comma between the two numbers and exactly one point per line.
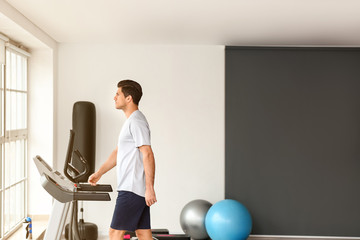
x=13, y=138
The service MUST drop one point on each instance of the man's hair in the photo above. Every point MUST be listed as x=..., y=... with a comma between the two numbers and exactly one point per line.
x=130, y=87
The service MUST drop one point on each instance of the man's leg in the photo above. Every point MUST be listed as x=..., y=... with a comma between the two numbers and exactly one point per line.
x=144, y=234
x=116, y=234
x=122, y=217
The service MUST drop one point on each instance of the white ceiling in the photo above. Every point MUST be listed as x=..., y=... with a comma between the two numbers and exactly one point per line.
x=223, y=22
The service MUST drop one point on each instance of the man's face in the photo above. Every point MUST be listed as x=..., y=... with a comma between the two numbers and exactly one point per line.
x=120, y=100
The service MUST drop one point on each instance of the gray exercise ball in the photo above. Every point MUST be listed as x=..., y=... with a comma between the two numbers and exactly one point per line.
x=192, y=218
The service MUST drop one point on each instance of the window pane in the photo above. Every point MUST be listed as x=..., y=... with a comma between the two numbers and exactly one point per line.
x=7, y=211
x=13, y=71
x=10, y=110
x=8, y=72
x=21, y=110
x=19, y=72
x=25, y=74
x=7, y=107
x=18, y=112
x=12, y=162
x=20, y=160
x=7, y=164
x=23, y=198
x=13, y=111
x=25, y=109
x=20, y=202
x=12, y=206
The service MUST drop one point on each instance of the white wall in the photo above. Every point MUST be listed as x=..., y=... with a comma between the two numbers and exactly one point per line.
x=183, y=102
x=40, y=125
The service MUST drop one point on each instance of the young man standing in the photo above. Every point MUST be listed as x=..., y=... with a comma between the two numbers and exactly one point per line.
x=135, y=165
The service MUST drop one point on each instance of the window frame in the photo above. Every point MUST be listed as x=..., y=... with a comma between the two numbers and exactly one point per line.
x=17, y=137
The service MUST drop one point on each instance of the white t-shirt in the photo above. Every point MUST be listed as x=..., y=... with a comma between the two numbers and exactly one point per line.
x=130, y=168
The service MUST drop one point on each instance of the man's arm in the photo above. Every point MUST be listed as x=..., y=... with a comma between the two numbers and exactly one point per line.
x=149, y=167
x=107, y=165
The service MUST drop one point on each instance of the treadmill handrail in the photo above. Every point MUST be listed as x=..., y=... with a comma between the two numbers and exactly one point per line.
x=68, y=166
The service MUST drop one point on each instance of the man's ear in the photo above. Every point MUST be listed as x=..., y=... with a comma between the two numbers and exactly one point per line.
x=129, y=98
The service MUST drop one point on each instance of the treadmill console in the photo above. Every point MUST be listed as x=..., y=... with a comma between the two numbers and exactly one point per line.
x=64, y=190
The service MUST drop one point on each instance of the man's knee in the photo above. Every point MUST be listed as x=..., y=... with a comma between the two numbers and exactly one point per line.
x=144, y=234
x=116, y=234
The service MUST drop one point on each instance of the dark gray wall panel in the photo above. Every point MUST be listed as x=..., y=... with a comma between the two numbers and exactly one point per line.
x=293, y=138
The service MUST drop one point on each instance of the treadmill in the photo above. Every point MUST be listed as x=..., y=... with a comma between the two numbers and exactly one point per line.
x=66, y=191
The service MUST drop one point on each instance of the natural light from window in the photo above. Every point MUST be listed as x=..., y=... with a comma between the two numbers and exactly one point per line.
x=13, y=105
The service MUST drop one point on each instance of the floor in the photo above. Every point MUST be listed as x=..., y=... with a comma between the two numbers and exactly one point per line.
x=38, y=226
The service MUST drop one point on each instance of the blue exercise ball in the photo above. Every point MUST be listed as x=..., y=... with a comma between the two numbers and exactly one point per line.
x=228, y=220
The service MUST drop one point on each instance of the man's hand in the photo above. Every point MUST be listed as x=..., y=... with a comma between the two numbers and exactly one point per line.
x=94, y=178
x=150, y=197
x=106, y=166
x=149, y=168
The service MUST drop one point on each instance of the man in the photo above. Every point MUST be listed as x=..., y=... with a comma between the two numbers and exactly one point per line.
x=135, y=165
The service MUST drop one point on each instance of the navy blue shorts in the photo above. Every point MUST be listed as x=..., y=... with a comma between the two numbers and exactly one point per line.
x=131, y=212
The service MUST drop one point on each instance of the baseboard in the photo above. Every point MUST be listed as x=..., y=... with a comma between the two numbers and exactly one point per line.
x=282, y=237
x=277, y=237
x=40, y=217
